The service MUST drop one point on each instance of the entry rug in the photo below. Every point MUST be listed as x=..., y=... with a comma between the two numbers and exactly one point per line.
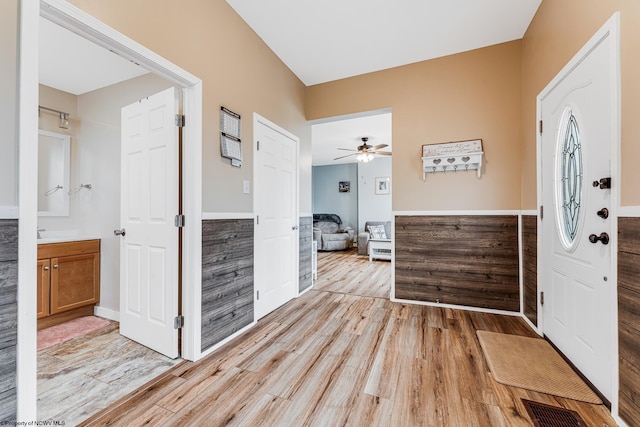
x=533, y=364
x=65, y=331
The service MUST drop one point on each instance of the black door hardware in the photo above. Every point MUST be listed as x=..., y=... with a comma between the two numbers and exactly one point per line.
x=603, y=213
x=604, y=183
x=603, y=237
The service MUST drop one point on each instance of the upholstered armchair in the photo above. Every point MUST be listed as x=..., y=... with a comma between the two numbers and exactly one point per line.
x=363, y=238
x=330, y=234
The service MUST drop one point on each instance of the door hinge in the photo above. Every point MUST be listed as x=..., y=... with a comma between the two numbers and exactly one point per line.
x=540, y=126
x=257, y=295
x=179, y=221
x=542, y=298
x=258, y=146
x=180, y=120
x=178, y=322
x=257, y=219
x=541, y=212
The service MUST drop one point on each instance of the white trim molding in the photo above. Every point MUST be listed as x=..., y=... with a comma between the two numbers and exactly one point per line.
x=458, y=307
x=226, y=215
x=457, y=213
x=107, y=313
x=9, y=212
x=629, y=211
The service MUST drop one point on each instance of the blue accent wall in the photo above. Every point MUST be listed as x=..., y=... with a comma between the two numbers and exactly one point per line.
x=327, y=199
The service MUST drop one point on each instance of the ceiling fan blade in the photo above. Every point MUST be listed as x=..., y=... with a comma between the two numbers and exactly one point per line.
x=342, y=157
x=381, y=153
x=346, y=149
x=377, y=147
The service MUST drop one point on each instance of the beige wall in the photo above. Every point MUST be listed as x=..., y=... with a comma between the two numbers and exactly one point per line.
x=208, y=39
x=559, y=29
x=8, y=91
x=465, y=96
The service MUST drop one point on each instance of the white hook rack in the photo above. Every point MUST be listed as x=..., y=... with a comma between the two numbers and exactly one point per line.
x=452, y=156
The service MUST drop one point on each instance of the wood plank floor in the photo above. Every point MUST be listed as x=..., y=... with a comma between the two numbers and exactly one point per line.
x=335, y=358
x=80, y=377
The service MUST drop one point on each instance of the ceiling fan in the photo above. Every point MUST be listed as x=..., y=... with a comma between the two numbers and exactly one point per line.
x=365, y=152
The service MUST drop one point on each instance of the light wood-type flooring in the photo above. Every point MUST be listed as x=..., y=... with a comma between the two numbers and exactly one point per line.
x=342, y=354
x=82, y=376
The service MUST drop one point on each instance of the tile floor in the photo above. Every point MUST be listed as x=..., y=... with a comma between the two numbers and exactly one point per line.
x=79, y=377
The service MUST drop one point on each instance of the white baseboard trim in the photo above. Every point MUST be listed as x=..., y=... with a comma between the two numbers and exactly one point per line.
x=107, y=313
x=531, y=325
x=9, y=212
x=227, y=215
x=456, y=213
x=226, y=340
x=529, y=212
x=306, y=290
x=458, y=307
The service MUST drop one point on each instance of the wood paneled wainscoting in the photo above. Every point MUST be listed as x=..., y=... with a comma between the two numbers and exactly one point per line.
x=227, y=278
x=8, y=317
x=465, y=260
x=305, y=236
x=530, y=267
x=629, y=318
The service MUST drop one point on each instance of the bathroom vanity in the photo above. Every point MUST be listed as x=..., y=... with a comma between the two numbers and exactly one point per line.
x=68, y=280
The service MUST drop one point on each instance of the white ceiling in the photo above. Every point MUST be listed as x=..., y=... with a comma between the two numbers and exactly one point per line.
x=321, y=41
x=75, y=65
x=347, y=133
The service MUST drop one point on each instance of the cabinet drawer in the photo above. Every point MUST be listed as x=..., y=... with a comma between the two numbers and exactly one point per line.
x=51, y=250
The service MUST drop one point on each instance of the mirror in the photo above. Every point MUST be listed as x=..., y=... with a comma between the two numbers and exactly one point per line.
x=54, y=160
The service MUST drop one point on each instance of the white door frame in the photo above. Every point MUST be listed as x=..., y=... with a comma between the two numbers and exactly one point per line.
x=86, y=26
x=610, y=29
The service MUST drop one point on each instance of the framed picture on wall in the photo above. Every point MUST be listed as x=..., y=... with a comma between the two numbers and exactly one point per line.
x=344, y=186
x=383, y=185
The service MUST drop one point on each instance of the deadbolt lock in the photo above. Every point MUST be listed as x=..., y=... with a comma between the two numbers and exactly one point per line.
x=604, y=183
x=603, y=213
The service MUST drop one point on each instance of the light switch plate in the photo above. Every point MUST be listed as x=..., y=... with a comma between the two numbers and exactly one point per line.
x=245, y=186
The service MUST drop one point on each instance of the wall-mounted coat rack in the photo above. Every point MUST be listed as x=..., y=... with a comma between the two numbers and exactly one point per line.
x=452, y=157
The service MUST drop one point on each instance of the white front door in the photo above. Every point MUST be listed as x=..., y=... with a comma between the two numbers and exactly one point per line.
x=149, y=203
x=578, y=120
x=276, y=207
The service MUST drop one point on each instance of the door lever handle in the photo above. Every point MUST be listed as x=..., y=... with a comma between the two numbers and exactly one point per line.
x=603, y=237
x=294, y=227
x=603, y=213
x=120, y=232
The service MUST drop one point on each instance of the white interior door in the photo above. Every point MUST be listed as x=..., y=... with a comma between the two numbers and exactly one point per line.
x=276, y=231
x=149, y=203
x=579, y=118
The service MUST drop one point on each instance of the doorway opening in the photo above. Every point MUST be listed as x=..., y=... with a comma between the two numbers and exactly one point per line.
x=164, y=74
x=352, y=190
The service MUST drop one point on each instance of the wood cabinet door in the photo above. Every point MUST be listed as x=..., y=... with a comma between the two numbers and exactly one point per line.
x=75, y=281
x=44, y=270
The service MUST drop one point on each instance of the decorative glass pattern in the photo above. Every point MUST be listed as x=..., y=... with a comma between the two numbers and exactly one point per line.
x=571, y=176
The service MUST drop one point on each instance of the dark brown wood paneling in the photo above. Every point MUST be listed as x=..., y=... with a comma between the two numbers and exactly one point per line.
x=227, y=278
x=462, y=260
x=306, y=239
x=530, y=266
x=8, y=317
x=629, y=318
